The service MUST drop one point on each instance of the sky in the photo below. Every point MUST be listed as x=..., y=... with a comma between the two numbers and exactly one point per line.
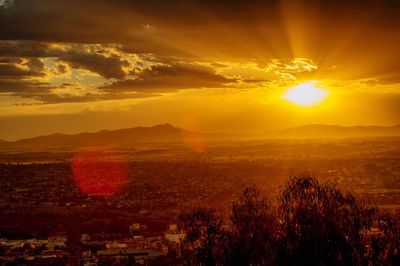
x=216, y=66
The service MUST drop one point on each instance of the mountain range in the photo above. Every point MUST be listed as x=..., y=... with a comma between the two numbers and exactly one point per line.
x=167, y=133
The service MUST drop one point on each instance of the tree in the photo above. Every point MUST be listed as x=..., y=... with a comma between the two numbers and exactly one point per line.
x=310, y=224
x=204, y=235
x=252, y=239
x=386, y=249
x=320, y=225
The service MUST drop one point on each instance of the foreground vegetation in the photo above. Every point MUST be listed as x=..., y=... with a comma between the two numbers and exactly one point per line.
x=309, y=223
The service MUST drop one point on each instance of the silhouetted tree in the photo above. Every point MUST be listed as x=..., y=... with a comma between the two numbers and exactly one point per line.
x=386, y=248
x=204, y=235
x=310, y=224
x=252, y=240
x=320, y=225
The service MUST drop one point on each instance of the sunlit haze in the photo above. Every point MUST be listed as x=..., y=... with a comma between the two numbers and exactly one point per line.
x=199, y=132
x=68, y=67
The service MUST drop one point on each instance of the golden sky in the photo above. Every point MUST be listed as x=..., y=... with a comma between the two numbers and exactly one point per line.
x=72, y=66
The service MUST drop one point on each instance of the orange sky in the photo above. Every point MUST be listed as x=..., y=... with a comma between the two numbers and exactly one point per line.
x=72, y=66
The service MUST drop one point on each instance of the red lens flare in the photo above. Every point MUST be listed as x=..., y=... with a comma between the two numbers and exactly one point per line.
x=97, y=174
x=195, y=142
x=193, y=139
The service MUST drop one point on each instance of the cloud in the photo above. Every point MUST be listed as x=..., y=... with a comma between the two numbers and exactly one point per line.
x=17, y=87
x=171, y=77
x=6, y=3
x=130, y=52
x=131, y=76
x=28, y=48
x=55, y=98
x=106, y=66
x=296, y=68
x=202, y=22
x=95, y=58
x=12, y=71
x=20, y=76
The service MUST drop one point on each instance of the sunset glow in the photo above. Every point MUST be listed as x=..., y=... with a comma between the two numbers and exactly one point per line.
x=156, y=63
x=305, y=94
x=199, y=132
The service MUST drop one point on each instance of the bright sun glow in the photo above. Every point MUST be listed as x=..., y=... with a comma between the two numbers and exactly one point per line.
x=305, y=94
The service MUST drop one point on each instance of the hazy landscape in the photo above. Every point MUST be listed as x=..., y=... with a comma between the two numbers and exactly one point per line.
x=199, y=132
x=41, y=194
x=166, y=173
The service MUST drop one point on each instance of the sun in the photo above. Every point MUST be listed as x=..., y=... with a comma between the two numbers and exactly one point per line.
x=305, y=94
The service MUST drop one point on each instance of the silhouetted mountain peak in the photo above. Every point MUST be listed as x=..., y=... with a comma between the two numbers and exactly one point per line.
x=165, y=126
x=158, y=133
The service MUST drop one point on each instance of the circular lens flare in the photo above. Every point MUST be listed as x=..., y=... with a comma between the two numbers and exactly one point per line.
x=97, y=174
x=192, y=138
x=305, y=94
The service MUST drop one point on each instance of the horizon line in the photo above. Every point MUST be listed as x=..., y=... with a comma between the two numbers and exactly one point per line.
x=197, y=131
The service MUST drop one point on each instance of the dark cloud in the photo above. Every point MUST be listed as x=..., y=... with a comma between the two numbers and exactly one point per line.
x=6, y=3
x=16, y=76
x=90, y=20
x=54, y=98
x=128, y=21
x=77, y=56
x=35, y=64
x=172, y=77
x=148, y=83
x=76, y=32
x=173, y=27
x=11, y=71
x=17, y=87
x=91, y=13
x=27, y=48
x=108, y=67
x=10, y=61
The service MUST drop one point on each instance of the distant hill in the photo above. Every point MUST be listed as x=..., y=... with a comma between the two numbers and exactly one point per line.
x=158, y=133
x=167, y=133
x=331, y=131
